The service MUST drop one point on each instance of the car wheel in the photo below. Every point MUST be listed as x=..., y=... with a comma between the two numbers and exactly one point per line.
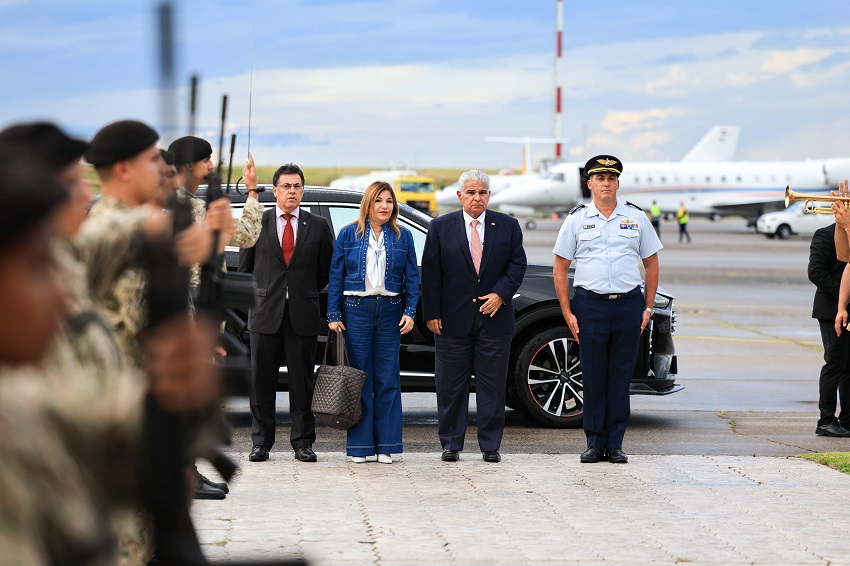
x=546, y=383
x=784, y=232
x=531, y=225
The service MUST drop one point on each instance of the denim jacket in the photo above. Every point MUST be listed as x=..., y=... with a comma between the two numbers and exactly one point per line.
x=348, y=268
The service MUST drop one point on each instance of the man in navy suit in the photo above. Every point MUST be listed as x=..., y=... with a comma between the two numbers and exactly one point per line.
x=472, y=266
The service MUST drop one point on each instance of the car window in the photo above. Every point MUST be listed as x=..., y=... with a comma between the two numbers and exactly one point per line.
x=342, y=215
x=418, y=237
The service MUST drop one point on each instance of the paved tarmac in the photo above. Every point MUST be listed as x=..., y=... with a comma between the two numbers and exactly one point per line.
x=710, y=478
x=532, y=509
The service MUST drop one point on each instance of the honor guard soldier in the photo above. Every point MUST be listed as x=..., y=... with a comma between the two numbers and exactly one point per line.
x=192, y=157
x=607, y=313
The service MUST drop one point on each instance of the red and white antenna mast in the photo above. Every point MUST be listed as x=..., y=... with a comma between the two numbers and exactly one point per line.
x=558, y=78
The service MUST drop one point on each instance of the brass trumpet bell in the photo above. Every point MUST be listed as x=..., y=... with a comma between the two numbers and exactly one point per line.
x=809, y=201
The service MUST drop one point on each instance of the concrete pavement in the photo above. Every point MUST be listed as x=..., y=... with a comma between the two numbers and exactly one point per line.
x=531, y=509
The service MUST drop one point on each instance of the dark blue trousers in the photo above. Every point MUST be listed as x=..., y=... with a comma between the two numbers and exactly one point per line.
x=372, y=340
x=458, y=359
x=609, y=335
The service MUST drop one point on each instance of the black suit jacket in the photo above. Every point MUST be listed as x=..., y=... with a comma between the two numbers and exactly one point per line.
x=825, y=272
x=306, y=274
x=450, y=286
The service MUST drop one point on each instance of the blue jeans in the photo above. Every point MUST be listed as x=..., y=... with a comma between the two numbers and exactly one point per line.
x=372, y=340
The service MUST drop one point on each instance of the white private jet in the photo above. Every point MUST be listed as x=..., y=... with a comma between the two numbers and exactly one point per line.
x=706, y=181
x=447, y=196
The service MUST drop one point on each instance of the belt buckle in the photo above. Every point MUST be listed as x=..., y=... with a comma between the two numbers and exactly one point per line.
x=613, y=297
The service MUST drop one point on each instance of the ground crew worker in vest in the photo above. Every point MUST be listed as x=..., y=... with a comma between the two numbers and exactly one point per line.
x=655, y=217
x=683, y=217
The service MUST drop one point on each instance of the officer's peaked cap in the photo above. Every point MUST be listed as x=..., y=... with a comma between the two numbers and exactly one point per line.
x=603, y=164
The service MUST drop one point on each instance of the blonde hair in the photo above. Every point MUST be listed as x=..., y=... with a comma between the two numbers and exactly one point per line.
x=369, y=198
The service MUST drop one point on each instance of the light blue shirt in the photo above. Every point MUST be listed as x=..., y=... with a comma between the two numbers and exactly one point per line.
x=606, y=251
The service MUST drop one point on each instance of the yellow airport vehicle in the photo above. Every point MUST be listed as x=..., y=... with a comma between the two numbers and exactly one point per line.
x=418, y=192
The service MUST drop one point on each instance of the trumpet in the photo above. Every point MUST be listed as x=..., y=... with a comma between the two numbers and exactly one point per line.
x=809, y=201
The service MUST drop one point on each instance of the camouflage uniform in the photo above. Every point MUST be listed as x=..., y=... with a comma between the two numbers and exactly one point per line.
x=247, y=227
x=87, y=336
x=64, y=480
x=110, y=243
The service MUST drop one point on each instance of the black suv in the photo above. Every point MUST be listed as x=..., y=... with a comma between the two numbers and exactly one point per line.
x=544, y=377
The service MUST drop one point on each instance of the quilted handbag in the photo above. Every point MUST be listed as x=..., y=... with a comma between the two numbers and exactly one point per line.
x=336, y=398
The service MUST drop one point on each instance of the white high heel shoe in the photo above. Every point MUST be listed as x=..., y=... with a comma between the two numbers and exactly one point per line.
x=385, y=459
x=358, y=459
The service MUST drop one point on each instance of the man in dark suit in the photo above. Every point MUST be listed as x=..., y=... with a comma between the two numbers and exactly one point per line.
x=467, y=300
x=290, y=262
x=825, y=272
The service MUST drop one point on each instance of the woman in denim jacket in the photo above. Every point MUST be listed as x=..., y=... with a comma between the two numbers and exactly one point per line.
x=373, y=277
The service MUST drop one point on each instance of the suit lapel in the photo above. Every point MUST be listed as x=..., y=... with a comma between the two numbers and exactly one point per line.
x=489, y=237
x=462, y=240
x=303, y=226
x=271, y=234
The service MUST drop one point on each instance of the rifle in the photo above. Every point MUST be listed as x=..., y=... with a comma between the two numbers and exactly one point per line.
x=164, y=484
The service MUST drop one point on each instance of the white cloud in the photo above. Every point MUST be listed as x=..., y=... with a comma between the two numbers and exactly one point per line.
x=622, y=121
x=786, y=62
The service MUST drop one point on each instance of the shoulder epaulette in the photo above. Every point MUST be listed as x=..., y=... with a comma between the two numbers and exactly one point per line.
x=575, y=208
x=634, y=205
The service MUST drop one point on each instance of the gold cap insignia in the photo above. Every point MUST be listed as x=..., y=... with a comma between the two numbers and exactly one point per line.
x=606, y=162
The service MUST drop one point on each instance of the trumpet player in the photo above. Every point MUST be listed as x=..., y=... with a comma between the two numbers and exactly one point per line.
x=824, y=266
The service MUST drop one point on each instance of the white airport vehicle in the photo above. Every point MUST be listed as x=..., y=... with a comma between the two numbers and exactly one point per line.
x=784, y=223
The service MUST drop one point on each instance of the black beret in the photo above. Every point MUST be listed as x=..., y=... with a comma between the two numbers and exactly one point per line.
x=46, y=141
x=603, y=164
x=189, y=149
x=167, y=156
x=119, y=141
x=29, y=193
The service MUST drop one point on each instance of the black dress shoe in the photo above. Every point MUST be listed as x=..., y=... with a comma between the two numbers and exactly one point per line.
x=450, y=456
x=592, y=455
x=216, y=484
x=305, y=454
x=616, y=456
x=259, y=454
x=204, y=491
x=832, y=429
x=491, y=456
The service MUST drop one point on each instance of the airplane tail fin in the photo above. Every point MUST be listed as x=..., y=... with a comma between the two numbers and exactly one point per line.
x=718, y=144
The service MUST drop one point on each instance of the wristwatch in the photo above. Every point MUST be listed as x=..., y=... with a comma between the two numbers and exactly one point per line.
x=650, y=310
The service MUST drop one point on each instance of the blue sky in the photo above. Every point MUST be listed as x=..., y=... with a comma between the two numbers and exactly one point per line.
x=421, y=83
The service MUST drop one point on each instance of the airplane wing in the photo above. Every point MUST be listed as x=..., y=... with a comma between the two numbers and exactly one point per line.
x=718, y=144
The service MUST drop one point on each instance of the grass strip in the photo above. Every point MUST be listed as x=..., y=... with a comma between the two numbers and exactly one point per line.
x=836, y=460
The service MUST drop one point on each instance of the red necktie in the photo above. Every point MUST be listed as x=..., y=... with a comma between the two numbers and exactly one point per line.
x=287, y=243
x=475, y=246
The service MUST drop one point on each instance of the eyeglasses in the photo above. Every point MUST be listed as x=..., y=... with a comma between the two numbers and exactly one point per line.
x=287, y=186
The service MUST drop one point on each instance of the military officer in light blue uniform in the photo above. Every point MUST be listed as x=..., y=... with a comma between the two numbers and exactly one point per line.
x=605, y=239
